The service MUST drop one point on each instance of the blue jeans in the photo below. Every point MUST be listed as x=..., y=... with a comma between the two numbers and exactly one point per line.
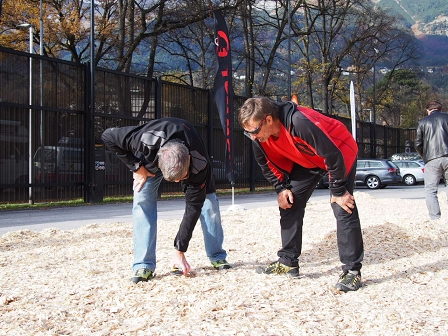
x=144, y=216
x=434, y=171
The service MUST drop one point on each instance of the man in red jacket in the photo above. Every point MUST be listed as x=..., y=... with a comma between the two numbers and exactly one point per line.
x=295, y=146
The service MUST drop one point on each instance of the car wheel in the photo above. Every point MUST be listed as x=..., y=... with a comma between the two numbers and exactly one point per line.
x=373, y=182
x=409, y=180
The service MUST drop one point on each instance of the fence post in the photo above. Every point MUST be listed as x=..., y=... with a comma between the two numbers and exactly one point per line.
x=252, y=167
x=158, y=95
x=93, y=183
x=87, y=108
x=210, y=136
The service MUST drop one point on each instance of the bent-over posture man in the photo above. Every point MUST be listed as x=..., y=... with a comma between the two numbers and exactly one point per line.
x=168, y=148
x=295, y=146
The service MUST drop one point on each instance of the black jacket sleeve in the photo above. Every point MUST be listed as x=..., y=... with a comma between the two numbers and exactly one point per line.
x=195, y=188
x=116, y=141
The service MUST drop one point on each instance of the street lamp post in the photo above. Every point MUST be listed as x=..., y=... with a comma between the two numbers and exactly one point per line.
x=374, y=113
x=30, y=115
x=90, y=139
x=289, y=52
x=374, y=104
x=41, y=87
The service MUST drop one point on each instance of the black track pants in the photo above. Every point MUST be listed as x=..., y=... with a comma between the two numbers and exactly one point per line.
x=349, y=235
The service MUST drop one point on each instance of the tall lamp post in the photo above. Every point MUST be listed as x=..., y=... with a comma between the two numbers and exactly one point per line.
x=30, y=115
x=374, y=104
x=289, y=52
x=90, y=120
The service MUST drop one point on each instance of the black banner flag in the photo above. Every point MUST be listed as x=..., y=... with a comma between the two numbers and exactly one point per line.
x=223, y=89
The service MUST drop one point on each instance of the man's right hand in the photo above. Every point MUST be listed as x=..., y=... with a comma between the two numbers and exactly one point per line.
x=179, y=261
x=285, y=199
x=140, y=177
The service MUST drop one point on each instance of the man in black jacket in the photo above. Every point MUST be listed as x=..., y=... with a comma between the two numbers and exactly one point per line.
x=431, y=142
x=168, y=148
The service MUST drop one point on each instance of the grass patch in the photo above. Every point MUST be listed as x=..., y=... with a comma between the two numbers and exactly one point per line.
x=119, y=199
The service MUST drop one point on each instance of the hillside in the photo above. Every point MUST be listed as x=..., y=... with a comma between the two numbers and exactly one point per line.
x=428, y=19
x=423, y=16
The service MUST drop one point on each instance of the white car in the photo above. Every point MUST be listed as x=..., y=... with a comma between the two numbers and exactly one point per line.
x=412, y=171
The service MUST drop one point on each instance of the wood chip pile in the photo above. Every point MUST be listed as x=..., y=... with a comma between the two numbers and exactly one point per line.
x=76, y=282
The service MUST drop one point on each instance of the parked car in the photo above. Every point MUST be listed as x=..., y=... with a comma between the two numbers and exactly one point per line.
x=323, y=183
x=414, y=156
x=377, y=173
x=63, y=163
x=374, y=173
x=412, y=172
x=14, y=153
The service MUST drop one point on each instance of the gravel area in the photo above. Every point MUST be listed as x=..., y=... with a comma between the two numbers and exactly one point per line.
x=76, y=282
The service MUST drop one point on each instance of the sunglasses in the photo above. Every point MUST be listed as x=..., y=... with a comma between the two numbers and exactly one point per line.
x=257, y=130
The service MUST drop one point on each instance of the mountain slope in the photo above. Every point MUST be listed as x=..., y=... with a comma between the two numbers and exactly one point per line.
x=424, y=16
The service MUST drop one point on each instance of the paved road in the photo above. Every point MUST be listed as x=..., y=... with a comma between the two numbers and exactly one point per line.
x=68, y=218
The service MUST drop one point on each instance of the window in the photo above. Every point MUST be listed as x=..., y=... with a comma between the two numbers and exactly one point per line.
x=375, y=164
x=361, y=164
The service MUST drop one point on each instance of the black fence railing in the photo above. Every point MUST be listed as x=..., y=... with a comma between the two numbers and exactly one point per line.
x=50, y=146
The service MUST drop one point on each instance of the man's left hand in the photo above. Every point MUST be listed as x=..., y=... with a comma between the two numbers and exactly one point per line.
x=346, y=201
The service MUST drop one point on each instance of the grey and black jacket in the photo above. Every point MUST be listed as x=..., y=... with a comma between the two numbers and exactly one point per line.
x=138, y=145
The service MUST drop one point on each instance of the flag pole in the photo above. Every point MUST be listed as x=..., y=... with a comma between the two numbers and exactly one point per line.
x=353, y=109
x=223, y=91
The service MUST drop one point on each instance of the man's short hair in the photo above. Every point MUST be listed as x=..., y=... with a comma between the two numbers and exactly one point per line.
x=174, y=160
x=257, y=108
x=434, y=105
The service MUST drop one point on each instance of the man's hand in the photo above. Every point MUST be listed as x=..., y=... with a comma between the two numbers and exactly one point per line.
x=140, y=177
x=346, y=201
x=285, y=199
x=179, y=261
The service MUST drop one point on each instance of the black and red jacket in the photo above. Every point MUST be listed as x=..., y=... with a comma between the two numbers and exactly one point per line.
x=138, y=145
x=312, y=140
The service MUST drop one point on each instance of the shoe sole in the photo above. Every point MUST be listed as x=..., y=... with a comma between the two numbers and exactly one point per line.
x=140, y=279
x=261, y=270
x=345, y=289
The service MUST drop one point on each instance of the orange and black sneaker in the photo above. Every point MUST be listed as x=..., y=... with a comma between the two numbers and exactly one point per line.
x=278, y=268
x=349, y=281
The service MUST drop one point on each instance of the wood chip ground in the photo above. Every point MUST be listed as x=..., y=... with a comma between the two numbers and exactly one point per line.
x=76, y=282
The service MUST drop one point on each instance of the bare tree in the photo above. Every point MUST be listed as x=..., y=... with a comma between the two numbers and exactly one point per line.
x=264, y=29
x=193, y=47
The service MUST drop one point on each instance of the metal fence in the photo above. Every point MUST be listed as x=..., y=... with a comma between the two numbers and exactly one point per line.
x=50, y=146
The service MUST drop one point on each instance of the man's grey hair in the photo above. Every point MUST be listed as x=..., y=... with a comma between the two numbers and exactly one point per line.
x=174, y=160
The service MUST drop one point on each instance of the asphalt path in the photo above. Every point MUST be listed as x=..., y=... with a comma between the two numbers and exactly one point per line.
x=68, y=218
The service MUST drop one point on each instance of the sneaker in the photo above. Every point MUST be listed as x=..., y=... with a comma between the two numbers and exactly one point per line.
x=142, y=274
x=278, y=268
x=348, y=282
x=221, y=264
